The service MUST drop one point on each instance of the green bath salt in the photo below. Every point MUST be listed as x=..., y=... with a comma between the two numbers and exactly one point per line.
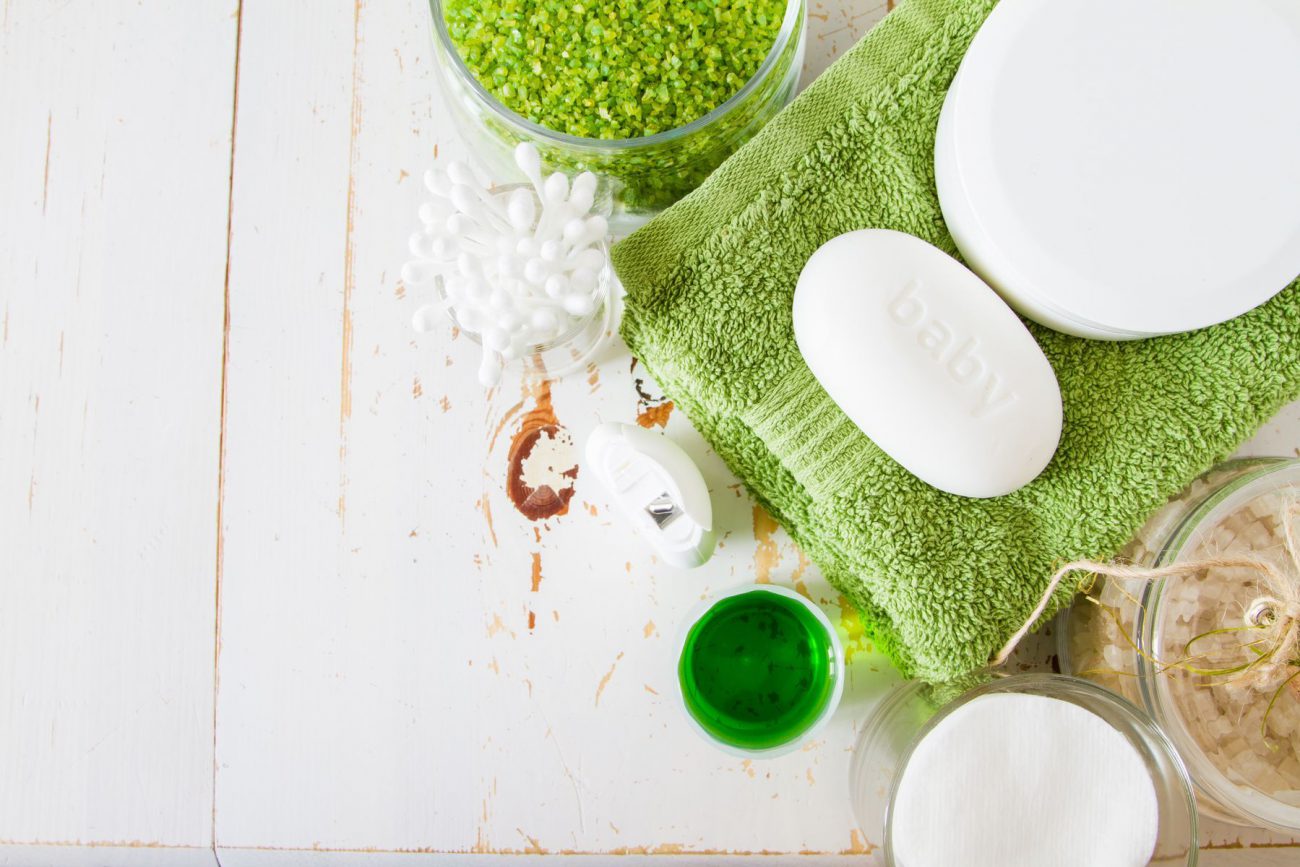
x=757, y=670
x=613, y=70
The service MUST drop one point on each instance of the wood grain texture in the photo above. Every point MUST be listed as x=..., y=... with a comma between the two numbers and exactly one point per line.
x=410, y=667
x=115, y=153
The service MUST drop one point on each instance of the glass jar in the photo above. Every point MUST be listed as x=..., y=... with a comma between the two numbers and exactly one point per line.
x=908, y=713
x=578, y=343
x=571, y=350
x=799, y=664
x=645, y=174
x=1181, y=647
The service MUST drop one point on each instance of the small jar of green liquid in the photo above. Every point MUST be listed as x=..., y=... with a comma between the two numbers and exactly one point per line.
x=761, y=668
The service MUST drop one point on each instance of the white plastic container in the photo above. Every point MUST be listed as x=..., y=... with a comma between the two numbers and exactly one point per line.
x=1120, y=169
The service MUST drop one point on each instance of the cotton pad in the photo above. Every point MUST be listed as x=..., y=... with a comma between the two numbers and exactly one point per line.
x=1013, y=780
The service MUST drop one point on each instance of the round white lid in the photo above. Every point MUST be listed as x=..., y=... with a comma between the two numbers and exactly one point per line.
x=1132, y=166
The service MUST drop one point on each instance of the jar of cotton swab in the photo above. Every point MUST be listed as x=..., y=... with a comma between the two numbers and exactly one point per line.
x=521, y=269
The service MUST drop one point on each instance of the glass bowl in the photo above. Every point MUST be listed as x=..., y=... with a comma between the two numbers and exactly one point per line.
x=908, y=713
x=575, y=346
x=835, y=674
x=571, y=350
x=644, y=174
x=1126, y=633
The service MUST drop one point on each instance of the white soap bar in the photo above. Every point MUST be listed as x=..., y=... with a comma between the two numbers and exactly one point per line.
x=1012, y=780
x=928, y=361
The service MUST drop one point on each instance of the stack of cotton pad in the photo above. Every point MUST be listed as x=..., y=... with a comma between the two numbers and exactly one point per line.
x=1120, y=169
x=1024, y=781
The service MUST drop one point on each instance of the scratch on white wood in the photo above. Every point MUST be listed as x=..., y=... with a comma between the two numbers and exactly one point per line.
x=221, y=447
x=49, y=140
x=349, y=272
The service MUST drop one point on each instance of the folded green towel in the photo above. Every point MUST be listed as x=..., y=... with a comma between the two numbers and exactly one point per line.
x=942, y=581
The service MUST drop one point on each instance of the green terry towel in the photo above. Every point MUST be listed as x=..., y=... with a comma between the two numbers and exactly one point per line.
x=942, y=581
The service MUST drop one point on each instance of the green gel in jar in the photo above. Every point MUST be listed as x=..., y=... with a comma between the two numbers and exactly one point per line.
x=757, y=670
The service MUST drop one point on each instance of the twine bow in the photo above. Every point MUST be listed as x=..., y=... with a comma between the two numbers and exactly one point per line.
x=1276, y=613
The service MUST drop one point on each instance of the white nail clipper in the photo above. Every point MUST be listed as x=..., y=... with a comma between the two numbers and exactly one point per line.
x=657, y=487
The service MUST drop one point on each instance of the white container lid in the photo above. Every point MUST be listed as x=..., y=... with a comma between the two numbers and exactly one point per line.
x=1127, y=168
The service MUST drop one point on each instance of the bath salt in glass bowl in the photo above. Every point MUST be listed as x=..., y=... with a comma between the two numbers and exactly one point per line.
x=1234, y=718
x=893, y=735
x=647, y=172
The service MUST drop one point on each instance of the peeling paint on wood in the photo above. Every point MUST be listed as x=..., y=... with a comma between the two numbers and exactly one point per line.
x=542, y=463
x=604, y=681
x=537, y=572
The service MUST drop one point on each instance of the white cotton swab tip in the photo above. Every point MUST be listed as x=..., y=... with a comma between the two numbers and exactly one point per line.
x=583, y=279
x=556, y=189
x=469, y=265
x=579, y=305
x=522, y=210
x=536, y=272
x=443, y=247
x=489, y=369
x=583, y=194
x=556, y=285
x=597, y=228
x=593, y=259
x=464, y=200
x=508, y=266
x=437, y=182
x=459, y=173
x=528, y=159
x=421, y=244
x=495, y=338
x=551, y=251
x=574, y=230
x=545, y=320
x=425, y=319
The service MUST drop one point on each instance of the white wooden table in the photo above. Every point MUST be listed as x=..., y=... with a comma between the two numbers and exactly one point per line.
x=264, y=597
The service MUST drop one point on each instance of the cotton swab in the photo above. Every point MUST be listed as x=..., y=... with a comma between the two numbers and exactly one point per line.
x=530, y=163
x=518, y=267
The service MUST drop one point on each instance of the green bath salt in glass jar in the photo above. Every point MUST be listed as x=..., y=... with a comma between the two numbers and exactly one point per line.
x=760, y=669
x=651, y=96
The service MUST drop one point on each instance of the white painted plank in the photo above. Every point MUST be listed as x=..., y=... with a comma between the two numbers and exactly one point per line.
x=115, y=153
x=126, y=855
x=304, y=710
x=318, y=858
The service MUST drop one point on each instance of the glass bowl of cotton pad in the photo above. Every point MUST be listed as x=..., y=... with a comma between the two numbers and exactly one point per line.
x=1205, y=653
x=1022, y=771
